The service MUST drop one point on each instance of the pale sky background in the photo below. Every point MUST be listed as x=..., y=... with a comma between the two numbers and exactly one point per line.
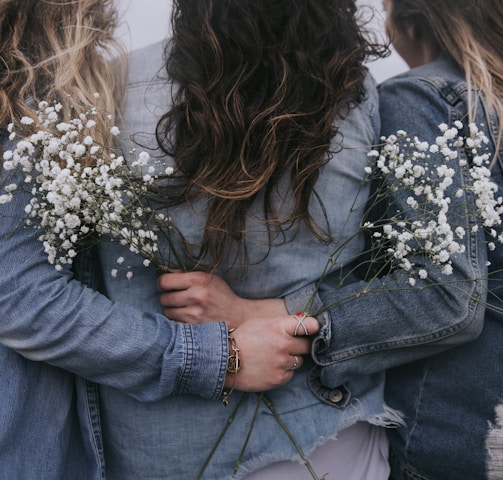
x=147, y=21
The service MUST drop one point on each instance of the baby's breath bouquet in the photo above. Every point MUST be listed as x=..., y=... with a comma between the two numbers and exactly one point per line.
x=426, y=173
x=81, y=190
x=419, y=238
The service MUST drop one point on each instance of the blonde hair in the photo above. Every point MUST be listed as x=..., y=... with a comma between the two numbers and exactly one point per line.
x=59, y=50
x=471, y=33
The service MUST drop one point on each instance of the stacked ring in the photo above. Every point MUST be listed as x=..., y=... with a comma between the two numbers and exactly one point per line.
x=300, y=323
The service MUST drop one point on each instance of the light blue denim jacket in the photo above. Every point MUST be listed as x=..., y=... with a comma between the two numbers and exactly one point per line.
x=52, y=327
x=172, y=438
x=452, y=430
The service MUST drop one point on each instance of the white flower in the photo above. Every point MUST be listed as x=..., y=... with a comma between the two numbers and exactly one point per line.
x=423, y=273
x=425, y=176
x=447, y=269
x=143, y=158
x=63, y=127
x=5, y=198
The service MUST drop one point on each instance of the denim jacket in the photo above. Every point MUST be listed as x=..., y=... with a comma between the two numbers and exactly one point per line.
x=56, y=335
x=452, y=401
x=395, y=323
x=173, y=437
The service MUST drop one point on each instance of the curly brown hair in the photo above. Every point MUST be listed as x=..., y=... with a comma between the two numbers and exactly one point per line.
x=259, y=84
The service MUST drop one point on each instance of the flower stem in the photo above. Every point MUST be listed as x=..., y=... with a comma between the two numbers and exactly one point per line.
x=308, y=465
x=228, y=423
x=247, y=439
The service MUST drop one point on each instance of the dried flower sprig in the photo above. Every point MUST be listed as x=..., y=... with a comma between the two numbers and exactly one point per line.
x=425, y=174
x=82, y=190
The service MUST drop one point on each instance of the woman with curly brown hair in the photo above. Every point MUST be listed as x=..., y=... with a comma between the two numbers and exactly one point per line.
x=451, y=397
x=267, y=114
x=51, y=325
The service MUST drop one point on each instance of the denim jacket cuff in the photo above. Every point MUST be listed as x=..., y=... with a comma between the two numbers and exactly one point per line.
x=205, y=362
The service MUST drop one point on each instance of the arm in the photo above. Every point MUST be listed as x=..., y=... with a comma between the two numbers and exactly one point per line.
x=392, y=324
x=197, y=297
x=399, y=323
x=48, y=316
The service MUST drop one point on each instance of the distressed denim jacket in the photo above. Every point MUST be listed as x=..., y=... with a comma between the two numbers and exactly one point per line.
x=452, y=401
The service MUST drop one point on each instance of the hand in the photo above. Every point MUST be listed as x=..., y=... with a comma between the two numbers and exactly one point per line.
x=198, y=297
x=269, y=351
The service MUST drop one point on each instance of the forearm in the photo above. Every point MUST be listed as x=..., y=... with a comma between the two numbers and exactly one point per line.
x=394, y=323
x=47, y=316
x=386, y=321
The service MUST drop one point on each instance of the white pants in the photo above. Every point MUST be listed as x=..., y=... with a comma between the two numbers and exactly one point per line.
x=359, y=453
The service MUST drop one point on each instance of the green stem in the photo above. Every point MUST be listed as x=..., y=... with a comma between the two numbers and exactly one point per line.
x=228, y=423
x=247, y=439
x=308, y=465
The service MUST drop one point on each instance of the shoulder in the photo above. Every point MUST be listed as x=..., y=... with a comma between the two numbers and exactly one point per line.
x=146, y=65
x=363, y=118
x=148, y=93
x=441, y=77
x=422, y=98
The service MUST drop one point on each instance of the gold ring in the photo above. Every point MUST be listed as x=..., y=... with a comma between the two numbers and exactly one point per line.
x=296, y=363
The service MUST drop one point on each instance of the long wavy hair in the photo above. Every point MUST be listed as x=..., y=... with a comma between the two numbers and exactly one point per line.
x=58, y=50
x=468, y=31
x=259, y=85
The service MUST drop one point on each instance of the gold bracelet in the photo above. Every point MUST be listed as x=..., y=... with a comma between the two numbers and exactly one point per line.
x=233, y=365
x=234, y=362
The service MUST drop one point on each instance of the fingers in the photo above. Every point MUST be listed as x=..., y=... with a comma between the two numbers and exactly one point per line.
x=176, y=281
x=300, y=326
x=297, y=362
x=173, y=299
x=268, y=360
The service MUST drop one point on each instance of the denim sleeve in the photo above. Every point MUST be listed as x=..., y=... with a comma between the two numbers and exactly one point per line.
x=48, y=316
x=394, y=323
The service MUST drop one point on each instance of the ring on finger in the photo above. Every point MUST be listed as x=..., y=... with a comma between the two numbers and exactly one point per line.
x=295, y=363
x=300, y=323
